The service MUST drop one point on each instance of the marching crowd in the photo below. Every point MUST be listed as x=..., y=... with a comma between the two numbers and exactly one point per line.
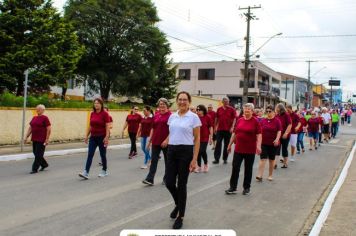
x=182, y=137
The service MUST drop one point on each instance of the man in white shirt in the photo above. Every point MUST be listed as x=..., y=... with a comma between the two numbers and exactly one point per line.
x=326, y=123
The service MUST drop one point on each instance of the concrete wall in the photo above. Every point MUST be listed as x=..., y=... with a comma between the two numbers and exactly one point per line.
x=68, y=124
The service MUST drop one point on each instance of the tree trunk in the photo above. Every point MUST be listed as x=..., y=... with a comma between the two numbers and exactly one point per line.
x=20, y=87
x=64, y=91
x=104, y=92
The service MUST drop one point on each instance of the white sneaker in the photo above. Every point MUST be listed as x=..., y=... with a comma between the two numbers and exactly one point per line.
x=292, y=159
x=84, y=175
x=103, y=173
x=144, y=167
x=197, y=170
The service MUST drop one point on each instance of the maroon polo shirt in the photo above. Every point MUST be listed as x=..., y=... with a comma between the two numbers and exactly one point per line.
x=39, y=126
x=295, y=120
x=146, y=126
x=270, y=128
x=206, y=123
x=313, y=125
x=133, y=121
x=98, y=123
x=160, y=128
x=225, y=117
x=303, y=123
x=246, y=139
x=212, y=115
x=285, y=121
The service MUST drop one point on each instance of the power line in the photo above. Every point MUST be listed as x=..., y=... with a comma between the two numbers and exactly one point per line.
x=313, y=36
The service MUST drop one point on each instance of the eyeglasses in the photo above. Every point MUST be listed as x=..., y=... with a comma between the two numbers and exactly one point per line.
x=198, y=109
x=268, y=111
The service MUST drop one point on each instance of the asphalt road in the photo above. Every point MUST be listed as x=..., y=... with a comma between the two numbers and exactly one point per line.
x=58, y=202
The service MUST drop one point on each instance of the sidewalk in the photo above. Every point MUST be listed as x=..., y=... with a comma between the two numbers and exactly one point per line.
x=16, y=149
x=342, y=217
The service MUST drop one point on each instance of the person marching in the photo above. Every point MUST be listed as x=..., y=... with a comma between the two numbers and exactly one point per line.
x=335, y=118
x=132, y=122
x=99, y=132
x=294, y=131
x=325, y=115
x=301, y=131
x=40, y=130
x=224, y=126
x=313, y=128
x=206, y=133
x=158, y=135
x=144, y=132
x=271, y=133
x=247, y=138
x=212, y=115
x=286, y=123
x=183, y=148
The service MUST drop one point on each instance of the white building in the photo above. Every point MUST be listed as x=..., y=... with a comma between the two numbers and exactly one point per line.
x=225, y=79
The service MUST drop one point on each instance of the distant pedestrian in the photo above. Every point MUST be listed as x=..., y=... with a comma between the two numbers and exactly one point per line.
x=183, y=149
x=99, y=132
x=302, y=130
x=349, y=114
x=212, y=115
x=206, y=133
x=40, y=131
x=132, y=124
x=247, y=138
x=342, y=115
x=224, y=126
x=271, y=133
x=158, y=140
x=313, y=130
x=335, y=123
x=286, y=123
x=294, y=131
x=144, y=132
x=325, y=115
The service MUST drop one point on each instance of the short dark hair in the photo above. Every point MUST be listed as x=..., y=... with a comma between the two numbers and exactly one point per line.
x=202, y=108
x=149, y=109
x=186, y=93
x=100, y=101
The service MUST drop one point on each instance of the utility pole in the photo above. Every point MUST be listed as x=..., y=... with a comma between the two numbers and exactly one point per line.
x=310, y=90
x=249, y=16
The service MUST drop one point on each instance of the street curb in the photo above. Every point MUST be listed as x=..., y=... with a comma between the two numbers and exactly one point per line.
x=324, y=213
x=23, y=156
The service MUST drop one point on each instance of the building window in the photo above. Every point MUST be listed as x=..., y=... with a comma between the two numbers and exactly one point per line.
x=251, y=83
x=206, y=74
x=184, y=74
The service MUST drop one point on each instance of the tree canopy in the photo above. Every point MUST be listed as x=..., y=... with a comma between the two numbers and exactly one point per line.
x=34, y=36
x=125, y=52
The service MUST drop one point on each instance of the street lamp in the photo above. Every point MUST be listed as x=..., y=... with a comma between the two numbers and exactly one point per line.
x=247, y=62
x=24, y=109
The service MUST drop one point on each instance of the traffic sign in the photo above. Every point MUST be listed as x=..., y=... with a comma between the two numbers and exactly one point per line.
x=334, y=82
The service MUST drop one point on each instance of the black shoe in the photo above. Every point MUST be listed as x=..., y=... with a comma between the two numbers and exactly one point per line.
x=43, y=168
x=174, y=213
x=275, y=166
x=178, y=223
x=284, y=166
x=246, y=191
x=215, y=162
x=231, y=191
x=33, y=172
x=225, y=161
x=147, y=182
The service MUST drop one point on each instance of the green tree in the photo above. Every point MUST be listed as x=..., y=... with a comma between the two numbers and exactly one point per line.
x=34, y=36
x=124, y=48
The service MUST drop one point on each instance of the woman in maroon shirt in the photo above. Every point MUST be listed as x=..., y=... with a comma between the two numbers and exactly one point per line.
x=132, y=122
x=144, y=132
x=158, y=135
x=206, y=133
x=313, y=130
x=247, y=138
x=271, y=133
x=99, y=132
x=286, y=123
x=40, y=129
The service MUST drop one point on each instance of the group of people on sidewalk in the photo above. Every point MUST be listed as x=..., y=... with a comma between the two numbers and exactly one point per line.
x=183, y=137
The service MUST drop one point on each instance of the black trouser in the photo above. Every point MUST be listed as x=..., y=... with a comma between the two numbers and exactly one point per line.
x=284, y=147
x=179, y=158
x=334, y=128
x=156, y=150
x=220, y=136
x=236, y=166
x=38, y=150
x=342, y=120
x=203, y=154
x=133, y=142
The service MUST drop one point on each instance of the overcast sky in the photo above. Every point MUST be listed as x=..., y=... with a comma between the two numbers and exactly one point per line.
x=205, y=23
